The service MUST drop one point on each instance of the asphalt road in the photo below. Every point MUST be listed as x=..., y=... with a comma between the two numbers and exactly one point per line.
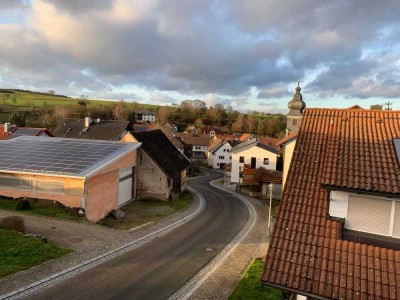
x=159, y=268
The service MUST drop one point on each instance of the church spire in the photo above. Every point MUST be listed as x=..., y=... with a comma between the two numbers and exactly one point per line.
x=296, y=107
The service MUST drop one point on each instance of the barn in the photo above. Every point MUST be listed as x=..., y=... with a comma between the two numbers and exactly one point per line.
x=96, y=176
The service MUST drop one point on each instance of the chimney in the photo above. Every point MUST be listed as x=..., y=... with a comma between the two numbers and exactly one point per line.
x=7, y=127
x=88, y=121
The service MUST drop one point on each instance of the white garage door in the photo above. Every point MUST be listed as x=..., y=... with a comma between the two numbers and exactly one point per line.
x=125, y=186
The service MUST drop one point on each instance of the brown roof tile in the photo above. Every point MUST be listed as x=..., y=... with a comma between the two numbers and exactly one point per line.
x=351, y=149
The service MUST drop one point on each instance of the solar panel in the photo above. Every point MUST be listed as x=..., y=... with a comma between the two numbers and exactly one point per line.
x=54, y=155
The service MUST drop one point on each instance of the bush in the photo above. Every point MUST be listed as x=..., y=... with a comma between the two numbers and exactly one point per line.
x=13, y=223
x=23, y=204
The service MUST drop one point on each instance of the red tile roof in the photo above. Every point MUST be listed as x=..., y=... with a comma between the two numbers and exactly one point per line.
x=270, y=141
x=287, y=138
x=305, y=253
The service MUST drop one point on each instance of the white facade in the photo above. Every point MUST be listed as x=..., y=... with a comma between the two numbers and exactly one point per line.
x=262, y=157
x=366, y=213
x=288, y=150
x=149, y=117
x=199, y=151
x=221, y=157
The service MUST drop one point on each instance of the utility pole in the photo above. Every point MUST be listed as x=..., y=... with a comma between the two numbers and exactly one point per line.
x=388, y=105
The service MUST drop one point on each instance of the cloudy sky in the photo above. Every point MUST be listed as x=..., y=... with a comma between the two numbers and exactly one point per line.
x=245, y=53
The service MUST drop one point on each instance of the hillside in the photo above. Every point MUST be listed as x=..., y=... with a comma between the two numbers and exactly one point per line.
x=31, y=103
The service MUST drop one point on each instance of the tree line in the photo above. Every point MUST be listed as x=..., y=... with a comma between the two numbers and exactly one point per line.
x=188, y=112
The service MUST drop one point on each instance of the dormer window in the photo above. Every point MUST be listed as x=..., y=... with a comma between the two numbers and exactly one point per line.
x=368, y=214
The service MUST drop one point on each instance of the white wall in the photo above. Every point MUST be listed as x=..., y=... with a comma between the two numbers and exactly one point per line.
x=248, y=153
x=287, y=158
x=338, y=204
x=216, y=161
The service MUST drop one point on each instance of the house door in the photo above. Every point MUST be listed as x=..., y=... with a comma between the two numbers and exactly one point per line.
x=125, y=186
x=253, y=163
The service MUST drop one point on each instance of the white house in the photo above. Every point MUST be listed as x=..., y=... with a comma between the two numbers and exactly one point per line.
x=219, y=154
x=145, y=116
x=253, y=153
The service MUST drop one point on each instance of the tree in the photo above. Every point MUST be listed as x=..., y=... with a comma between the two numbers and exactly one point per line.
x=162, y=114
x=119, y=111
x=238, y=124
x=250, y=123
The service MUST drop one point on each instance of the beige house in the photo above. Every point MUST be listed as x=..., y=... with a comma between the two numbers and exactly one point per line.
x=95, y=176
x=161, y=167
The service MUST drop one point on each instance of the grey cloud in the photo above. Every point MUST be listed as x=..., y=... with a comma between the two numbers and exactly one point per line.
x=207, y=46
x=81, y=6
x=12, y=4
x=340, y=76
x=274, y=91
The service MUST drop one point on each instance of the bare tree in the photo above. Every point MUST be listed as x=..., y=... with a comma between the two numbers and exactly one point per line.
x=119, y=111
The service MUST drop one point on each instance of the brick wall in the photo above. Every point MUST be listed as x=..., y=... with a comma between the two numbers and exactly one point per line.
x=102, y=189
x=102, y=195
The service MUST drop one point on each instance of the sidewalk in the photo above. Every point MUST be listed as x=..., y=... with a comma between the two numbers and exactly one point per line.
x=93, y=244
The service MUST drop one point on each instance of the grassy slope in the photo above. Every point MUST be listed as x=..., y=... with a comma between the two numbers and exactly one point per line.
x=250, y=286
x=25, y=100
x=19, y=252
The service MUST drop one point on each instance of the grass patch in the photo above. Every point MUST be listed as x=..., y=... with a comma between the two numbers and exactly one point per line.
x=40, y=209
x=19, y=252
x=143, y=211
x=250, y=286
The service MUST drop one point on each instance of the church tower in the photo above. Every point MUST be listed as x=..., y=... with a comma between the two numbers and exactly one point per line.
x=296, y=108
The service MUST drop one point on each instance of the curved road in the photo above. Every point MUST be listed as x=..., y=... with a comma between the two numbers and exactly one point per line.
x=159, y=268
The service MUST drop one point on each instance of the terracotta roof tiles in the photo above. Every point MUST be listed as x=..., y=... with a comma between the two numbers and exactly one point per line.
x=352, y=149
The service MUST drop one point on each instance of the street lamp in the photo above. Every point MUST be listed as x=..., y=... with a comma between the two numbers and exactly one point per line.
x=271, y=189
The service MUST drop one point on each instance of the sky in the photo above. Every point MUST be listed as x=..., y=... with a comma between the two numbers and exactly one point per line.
x=248, y=54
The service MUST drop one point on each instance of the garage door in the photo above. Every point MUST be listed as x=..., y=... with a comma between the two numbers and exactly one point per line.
x=125, y=186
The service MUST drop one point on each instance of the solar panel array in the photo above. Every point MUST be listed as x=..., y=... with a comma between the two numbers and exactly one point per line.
x=53, y=155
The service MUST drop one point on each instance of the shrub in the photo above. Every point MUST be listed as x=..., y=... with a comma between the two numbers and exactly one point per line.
x=13, y=223
x=23, y=204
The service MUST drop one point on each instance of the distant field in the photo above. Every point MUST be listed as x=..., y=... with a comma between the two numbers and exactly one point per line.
x=26, y=101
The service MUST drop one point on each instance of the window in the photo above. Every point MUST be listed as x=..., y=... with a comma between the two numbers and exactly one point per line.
x=294, y=123
x=15, y=183
x=221, y=157
x=241, y=159
x=373, y=215
x=266, y=161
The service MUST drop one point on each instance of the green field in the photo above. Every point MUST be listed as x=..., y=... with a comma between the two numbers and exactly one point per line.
x=26, y=100
x=33, y=104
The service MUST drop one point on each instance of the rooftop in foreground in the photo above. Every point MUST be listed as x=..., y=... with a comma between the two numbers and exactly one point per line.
x=346, y=150
x=59, y=156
